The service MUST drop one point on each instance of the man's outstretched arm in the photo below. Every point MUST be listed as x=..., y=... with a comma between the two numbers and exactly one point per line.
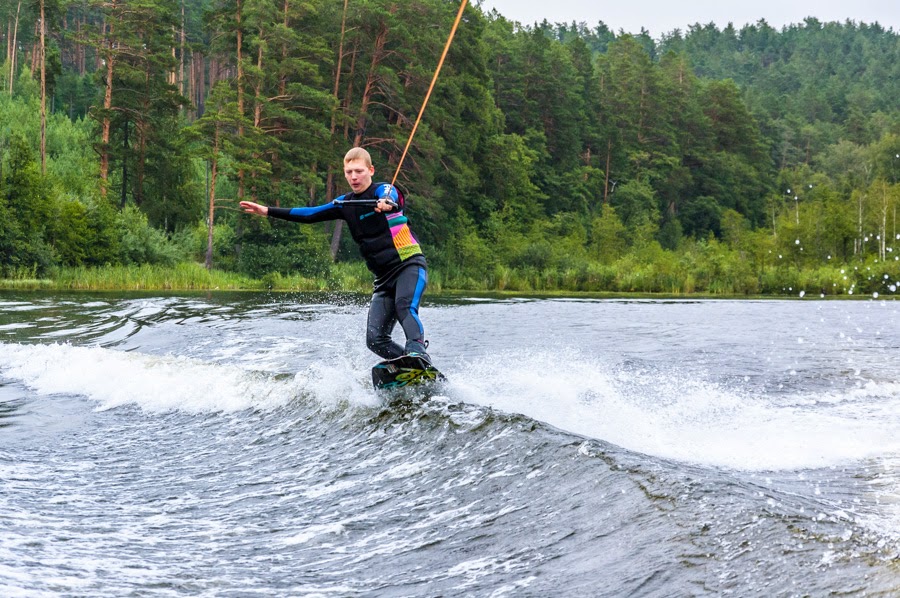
x=306, y=215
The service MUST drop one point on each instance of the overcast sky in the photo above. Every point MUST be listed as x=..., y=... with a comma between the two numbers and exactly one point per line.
x=662, y=16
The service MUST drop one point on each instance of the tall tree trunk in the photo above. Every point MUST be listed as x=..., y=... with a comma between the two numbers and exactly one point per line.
x=282, y=80
x=329, y=178
x=189, y=88
x=181, y=57
x=194, y=83
x=43, y=92
x=282, y=93
x=257, y=109
x=142, y=166
x=348, y=96
x=15, y=49
x=124, y=193
x=106, y=122
x=337, y=70
x=201, y=89
x=82, y=52
x=141, y=127
x=240, y=92
x=172, y=75
x=212, y=199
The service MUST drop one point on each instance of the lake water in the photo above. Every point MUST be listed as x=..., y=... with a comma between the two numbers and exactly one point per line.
x=231, y=445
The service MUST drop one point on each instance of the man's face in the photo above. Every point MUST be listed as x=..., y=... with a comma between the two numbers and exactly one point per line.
x=358, y=175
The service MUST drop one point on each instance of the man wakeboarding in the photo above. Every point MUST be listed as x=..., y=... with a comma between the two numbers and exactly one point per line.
x=374, y=214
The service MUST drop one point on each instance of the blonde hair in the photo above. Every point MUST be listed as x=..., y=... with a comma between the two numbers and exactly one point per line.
x=358, y=153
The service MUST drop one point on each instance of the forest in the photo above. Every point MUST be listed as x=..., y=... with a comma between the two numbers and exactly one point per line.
x=550, y=157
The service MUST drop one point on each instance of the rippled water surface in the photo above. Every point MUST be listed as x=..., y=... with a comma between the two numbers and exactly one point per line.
x=231, y=445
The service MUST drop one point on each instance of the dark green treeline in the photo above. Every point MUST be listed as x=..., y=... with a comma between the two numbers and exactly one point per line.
x=561, y=156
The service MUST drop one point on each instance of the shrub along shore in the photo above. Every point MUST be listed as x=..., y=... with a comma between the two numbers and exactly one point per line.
x=670, y=276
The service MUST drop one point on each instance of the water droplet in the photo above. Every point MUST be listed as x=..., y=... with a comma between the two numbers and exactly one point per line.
x=875, y=295
x=797, y=242
x=802, y=293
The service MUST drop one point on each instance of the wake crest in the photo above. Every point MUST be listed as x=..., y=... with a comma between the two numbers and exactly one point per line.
x=667, y=414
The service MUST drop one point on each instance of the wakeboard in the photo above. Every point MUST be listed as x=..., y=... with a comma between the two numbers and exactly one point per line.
x=405, y=371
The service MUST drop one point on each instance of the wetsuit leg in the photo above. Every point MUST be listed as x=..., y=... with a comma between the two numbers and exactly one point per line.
x=381, y=321
x=410, y=287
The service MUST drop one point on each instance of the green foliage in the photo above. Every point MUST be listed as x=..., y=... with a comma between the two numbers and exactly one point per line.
x=24, y=209
x=284, y=259
x=140, y=243
x=549, y=157
x=635, y=204
x=223, y=244
x=609, y=236
x=466, y=250
x=301, y=250
x=74, y=94
x=68, y=232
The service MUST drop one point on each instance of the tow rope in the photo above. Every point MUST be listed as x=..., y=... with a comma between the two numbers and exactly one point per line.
x=430, y=88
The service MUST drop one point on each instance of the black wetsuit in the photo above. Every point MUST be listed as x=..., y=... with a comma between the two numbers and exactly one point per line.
x=393, y=255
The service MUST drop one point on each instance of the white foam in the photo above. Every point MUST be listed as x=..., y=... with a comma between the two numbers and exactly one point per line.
x=682, y=417
x=115, y=378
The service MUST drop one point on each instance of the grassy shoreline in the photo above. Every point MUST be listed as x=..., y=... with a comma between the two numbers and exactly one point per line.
x=343, y=277
x=181, y=277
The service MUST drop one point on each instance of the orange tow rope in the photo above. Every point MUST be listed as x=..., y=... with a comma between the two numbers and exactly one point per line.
x=431, y=87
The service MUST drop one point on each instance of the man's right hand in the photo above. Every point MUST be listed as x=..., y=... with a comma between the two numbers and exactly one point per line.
x=254, y=208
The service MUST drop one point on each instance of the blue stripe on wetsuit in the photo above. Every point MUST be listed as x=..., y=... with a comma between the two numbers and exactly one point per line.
x=311, y=211
x=417, y=298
